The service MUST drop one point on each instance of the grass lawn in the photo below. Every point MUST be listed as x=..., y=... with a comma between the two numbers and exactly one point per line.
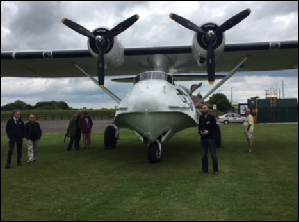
x=120, y=184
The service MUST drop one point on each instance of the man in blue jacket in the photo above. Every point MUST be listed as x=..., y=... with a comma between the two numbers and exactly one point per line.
x=15, y=130
x=206, y=128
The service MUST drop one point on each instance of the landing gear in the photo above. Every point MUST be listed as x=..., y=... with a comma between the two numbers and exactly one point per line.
x=154, y=152
x=110, y=137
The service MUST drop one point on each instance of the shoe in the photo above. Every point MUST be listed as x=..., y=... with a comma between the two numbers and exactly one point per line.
x=34, y=160
x=203, y=172
x=29, y=161
x=7, y=166
x=249, y=151
x=216, y=173
x=19, y=164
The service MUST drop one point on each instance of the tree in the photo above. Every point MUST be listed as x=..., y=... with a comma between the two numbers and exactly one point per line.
x=62, y=105
x=221, y=101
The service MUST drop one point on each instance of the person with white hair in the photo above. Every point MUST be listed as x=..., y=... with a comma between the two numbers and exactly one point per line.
x=248, y=127
x=33, y=134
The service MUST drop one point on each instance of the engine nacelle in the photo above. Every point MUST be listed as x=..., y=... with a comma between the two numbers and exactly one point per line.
x=113, y=49
x=200, y=44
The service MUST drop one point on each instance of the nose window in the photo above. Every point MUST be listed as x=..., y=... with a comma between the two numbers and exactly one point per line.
x=153, y=75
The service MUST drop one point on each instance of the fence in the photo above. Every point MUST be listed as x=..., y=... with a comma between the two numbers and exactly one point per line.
x=66, y=116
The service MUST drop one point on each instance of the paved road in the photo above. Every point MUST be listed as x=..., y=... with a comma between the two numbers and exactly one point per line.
x=61, y=126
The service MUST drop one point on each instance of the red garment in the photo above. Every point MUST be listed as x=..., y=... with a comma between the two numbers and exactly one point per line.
x=83, y=125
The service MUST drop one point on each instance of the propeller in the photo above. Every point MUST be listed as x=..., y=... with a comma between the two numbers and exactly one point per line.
x=101, y=41
x=210, y=36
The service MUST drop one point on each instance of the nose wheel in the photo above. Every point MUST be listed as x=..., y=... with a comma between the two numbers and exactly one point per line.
x=154, y=152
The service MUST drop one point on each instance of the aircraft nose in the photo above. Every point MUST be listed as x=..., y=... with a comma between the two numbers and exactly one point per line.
x=146, y=97
x=146, y=102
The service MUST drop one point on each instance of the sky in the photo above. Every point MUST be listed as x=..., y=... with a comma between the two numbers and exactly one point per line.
x=37, y=26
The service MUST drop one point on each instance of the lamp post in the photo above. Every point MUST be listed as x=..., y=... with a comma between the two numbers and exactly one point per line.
x=282, y=92
x=231, y=97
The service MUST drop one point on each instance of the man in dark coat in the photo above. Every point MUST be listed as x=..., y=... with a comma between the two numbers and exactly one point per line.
x=15, y=130
x=78, y=132
x=206, y=128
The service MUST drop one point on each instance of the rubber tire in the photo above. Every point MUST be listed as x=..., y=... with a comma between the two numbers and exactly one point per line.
x=226, y=122
x=109, y=138
x=153, y=153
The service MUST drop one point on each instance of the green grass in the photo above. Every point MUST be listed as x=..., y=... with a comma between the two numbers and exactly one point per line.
x=120, y=184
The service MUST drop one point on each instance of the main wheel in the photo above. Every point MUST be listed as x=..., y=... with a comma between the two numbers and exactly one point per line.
x=109, y=138
x=225, y=122
x=153, y=153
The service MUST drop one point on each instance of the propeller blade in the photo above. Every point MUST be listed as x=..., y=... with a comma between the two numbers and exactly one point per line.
x=211, y=64
x=233, y=21
x=186, y=23
x=101, y=67
x=122, y=26
x=77, y=28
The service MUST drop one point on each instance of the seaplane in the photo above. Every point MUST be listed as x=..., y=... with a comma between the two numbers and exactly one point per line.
x=156, y=108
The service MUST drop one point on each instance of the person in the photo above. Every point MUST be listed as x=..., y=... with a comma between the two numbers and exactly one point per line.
x=71, y=131
x=78, y=131
x=86, y=125
x=206, y=128
x=33, y=134
x=15, y=130
x=248, y=127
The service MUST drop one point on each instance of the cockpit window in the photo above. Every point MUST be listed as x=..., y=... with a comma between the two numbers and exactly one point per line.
x=153, y=75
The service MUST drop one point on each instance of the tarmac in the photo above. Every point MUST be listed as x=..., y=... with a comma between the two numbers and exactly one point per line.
x=61, y=126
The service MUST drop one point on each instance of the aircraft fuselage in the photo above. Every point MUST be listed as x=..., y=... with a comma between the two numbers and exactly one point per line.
x=155, y=108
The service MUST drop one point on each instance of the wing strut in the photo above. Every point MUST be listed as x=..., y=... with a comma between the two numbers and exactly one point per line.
x=223, y=80
x=111, y=94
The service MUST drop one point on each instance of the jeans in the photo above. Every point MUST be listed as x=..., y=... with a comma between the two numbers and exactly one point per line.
x=205, y=144
x=72, y=140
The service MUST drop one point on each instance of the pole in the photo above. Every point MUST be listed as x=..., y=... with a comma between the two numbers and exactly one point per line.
x=231, y=97
x=282, y=91
x=279, y=93
x=256, y=109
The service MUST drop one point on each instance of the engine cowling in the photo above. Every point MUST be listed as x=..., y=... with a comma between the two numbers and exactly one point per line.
x=200, y=44
x=113, y=49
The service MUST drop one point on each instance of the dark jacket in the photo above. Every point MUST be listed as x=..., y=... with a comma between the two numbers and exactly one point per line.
x=78, y=127
x=72, y=128
x=29, y=128
x=209, y=124
x=15, y=130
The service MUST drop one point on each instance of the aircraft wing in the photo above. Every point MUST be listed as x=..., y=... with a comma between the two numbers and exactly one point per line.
x=262, y=56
